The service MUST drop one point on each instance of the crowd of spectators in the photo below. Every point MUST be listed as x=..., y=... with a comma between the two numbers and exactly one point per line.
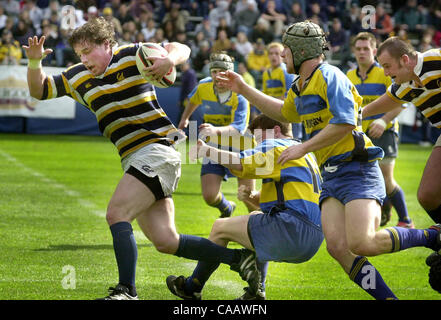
x=243, y=28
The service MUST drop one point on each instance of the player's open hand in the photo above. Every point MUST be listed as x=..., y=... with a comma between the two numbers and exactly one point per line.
x=206, y=130
x=292, y=153
x=35, y=49
x=230, y=80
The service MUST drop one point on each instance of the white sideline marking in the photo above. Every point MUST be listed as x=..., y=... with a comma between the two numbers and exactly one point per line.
x=71, y=193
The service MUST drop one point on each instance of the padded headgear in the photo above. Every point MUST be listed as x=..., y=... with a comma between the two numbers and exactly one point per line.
x=306, y=40
x=221, y=61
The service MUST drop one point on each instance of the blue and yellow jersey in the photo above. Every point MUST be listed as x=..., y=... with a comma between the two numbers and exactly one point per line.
x=235, y=112
x=277, y=82
x=371, y=88
x=295, y=185
x=428, y=98
x=328, y=97
x=124, y=103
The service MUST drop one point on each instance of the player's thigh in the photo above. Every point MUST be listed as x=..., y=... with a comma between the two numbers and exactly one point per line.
x=130, y=198
x=362, y=220
x=158, y=225
x=211, y=185
x=231, y=229
x=429, y=191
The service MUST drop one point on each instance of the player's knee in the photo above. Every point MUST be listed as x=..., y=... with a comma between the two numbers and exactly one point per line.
x=362, y=248
x=427, y=199
x=113, y=215
x=217, y=230
x=210, y=199
x=337, y=249
x=165, y=245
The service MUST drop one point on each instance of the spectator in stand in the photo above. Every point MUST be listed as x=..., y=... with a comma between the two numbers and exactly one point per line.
x=243, y=46
x=246, y=75
x=337, y=38
x=54, y=6
x=222, y=42
x=9, y=25
x=92, y=12
x=295, y=14
x=22, y=31
x=202, y=58
x=3, y=18
x=50, y=32
x=35, y=14
x=136, y=6
x=124, y=14
x=224, y=26
x=220, y=11
x=315, y=8
x=435, y=14
x=164, y=8
x=127, y=38
x=178, y=17
x=159, y=36
x=149, y=30
x=10, y=49
x=411, y=19
x=276, y=19
x=257, y=60
x=426, y=41
x=12, y=7
x=189, y=81
x=108, y=15
x=436, y=35
x=384, y=24
x=195, y=43
x=261, y=31
x=170, y=30
x=144, y=17
x=246, y=15
x=208, y=30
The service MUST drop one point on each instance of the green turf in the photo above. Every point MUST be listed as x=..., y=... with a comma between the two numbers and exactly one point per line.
x=54, y=192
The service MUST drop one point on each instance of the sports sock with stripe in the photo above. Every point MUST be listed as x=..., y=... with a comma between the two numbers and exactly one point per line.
x=369, y=279
x=404, y=238
x=398, y=201
x=126, y=253
x=223, y=205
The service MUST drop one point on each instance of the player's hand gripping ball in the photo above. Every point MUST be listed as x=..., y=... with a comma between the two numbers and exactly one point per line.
x=434, y=262
x=151, y=49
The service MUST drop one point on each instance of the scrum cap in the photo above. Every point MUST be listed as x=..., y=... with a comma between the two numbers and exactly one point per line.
x=221, y=61
x=306, y=41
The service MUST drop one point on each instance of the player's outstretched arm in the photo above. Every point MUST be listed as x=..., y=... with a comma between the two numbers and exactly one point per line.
x=268, y=105
x=381, y=105
x=35, y=52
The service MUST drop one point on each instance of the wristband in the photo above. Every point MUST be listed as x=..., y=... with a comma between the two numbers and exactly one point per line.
x=34, y=63
x=381, y=122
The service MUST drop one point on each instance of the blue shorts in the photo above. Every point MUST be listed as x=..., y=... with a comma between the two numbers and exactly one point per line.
x=216, y=169
x=284, y=236
x=353, y=180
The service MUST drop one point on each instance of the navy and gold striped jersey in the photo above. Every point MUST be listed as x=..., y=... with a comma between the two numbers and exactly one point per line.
x=428, y=98
x=295, y=185
x=329, y=97
x=371, y=88
x=124, y=103
x=276, y=83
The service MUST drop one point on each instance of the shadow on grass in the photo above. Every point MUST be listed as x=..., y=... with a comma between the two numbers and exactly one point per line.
x=73, y=247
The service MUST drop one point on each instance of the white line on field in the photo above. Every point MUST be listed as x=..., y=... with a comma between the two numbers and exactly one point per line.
x=71, y=193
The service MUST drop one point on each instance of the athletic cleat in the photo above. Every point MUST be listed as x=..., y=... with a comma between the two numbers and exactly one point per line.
x=176, y=286
x=403, y=224
x=228, y=214
x=385, y=215
x=247, y=269
x=121, y=292
x=434, y=262
x=259, y=295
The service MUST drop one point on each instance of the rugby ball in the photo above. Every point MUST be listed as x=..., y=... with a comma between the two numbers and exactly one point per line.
x=151, y=49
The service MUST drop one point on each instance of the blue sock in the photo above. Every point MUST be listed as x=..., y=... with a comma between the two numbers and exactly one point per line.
x=223, y=205
x=197, y=248
x=263, y=268
x=369, y=279
x=200, y=276
x=404, y=238
x=399, y=203
x=126, y=253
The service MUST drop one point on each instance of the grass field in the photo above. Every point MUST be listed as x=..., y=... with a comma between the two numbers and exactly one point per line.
x=53, y=196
